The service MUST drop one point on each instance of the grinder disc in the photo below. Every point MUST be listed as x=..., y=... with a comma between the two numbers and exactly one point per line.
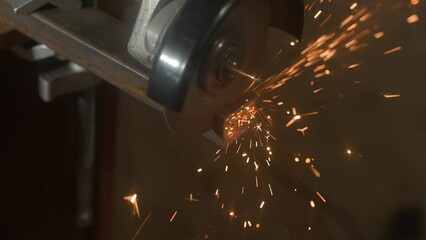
x=206, y=58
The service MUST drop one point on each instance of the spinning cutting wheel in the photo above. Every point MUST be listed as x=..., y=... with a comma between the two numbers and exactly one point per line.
x=203, y=54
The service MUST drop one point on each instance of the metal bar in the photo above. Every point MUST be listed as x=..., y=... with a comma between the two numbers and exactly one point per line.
x=89, y=38
x=86, y=102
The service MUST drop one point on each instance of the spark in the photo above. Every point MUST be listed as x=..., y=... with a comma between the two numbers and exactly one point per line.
x=413, y=19
x=346, y=21
x=392, y=95
x=296, y=159
x=249, y=223
x=318, y=13
x=232, y=214
x=226, y=168
x=354, y=65
x=293, y=120
x=309, y=228
x=199, y=170
x=270, y=189
x=217, y=158
x=318, y=90
x=321, y=197
x=133, y=199
x=258, y=225
x=303, y=130
x=325, y=21
x=349, y=152
x=262, y=204
x=353, y=6
x=308, y=160
x=312, y=203
x=365, y=17
x=257, y=182
x=379, y=35
x=191, y=198
x=242, y=190
x=315, y=171
x=256, y=166
x=415, y=2
x=393, y=50
x=141, y=226
x=173, y=216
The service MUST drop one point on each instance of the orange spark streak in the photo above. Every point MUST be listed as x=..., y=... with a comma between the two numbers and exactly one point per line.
x=393, y=50
x=318, y=13
x=379, y=35
x=315, y=171
x=142, y=225
x=132, y=199
x=392, y=95
x=354, y=65
x=321, y=197
x=173, y=217
x=270, y=189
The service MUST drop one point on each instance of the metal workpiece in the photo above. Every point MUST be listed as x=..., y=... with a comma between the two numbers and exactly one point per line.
x=28, y=6
x=89, y=38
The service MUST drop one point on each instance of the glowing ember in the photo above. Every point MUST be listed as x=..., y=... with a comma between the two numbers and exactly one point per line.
x=415, y=2
x=315, y=171
x=379, y=35
x=413, y=19
x=141, y=226
x=393, y=50
x=270, y=189
x=133, y=200
x=173, y=216
x=318, y=13
x=392, y=95
x=321, y=197
x=312, y=203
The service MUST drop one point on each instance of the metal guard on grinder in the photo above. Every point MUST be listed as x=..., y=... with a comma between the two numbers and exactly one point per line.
x=185, y=45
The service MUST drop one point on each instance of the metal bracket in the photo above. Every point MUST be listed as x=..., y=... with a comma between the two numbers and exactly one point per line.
x=74, y=79
x=71, y=78
x=33, y=51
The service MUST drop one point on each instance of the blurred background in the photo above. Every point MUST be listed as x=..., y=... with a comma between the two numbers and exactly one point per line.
x=370, y=150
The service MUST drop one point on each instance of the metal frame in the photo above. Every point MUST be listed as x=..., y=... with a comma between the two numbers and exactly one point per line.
x=88, y=37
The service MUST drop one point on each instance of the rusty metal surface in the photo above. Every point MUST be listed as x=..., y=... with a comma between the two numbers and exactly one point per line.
x=88, y=37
